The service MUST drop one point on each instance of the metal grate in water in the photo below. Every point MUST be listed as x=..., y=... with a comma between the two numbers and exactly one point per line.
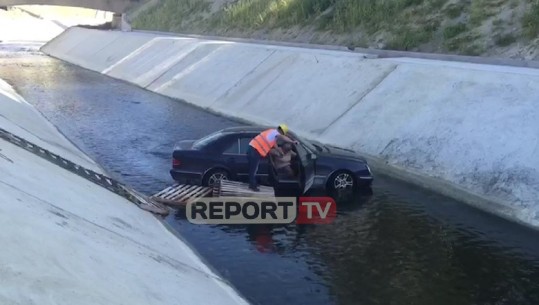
x=180, y=194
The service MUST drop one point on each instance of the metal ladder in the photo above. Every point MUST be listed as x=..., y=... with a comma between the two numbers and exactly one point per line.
x=112, y=185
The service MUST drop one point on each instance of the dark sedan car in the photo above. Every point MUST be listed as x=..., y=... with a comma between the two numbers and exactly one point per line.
x=223, y=155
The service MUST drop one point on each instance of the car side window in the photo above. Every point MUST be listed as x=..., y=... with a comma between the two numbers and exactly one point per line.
x=232, y=147
x=244, y=145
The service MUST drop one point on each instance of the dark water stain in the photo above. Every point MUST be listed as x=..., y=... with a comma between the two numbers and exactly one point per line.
x=399, y=245
x=62, y=224
x=58, y=214
x=120, y=223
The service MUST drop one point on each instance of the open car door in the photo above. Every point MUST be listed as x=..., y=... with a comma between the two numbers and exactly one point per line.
x=303, y=167
x=307, y=160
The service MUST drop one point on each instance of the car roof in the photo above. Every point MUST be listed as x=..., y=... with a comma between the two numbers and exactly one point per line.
x=240, y=129
x=248, y=129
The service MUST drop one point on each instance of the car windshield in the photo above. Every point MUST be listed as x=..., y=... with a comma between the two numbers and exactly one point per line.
x=305, y=143
x=207, y=139
x=318, y=147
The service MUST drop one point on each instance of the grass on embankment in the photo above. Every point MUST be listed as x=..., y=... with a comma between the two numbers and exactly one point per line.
x=468, y=27
x=170, y=15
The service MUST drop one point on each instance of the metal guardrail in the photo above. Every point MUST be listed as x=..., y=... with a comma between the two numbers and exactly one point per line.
x=112, y=185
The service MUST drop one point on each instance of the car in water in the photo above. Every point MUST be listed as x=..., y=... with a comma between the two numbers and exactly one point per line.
x=223, y=155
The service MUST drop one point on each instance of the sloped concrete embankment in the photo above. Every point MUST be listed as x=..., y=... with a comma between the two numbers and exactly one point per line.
x=68, y=241
x=466, y=130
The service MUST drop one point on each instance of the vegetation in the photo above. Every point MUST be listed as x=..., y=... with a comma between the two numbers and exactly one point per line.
x=453, y=30
x=505, y=39
x=530, y=21
x=454, y=10
x=168, y=16
x=258, y=13
x=479, y=11
x=457, y=26
x=336, y=15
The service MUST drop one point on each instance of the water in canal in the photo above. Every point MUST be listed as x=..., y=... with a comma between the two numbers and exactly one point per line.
x=399, y=246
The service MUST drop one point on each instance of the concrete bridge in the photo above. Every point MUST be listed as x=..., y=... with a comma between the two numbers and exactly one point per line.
x=116, y=6
x=120, y=8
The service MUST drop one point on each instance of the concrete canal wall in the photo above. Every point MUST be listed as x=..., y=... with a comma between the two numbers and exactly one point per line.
x=68, y=241
x=466, y=130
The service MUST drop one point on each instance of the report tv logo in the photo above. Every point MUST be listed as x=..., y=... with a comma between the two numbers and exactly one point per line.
x=249, y=210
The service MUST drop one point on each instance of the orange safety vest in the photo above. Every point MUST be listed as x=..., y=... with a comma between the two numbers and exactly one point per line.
x=262, y=144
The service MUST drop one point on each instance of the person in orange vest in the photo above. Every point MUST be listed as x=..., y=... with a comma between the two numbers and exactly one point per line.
x=261, y=145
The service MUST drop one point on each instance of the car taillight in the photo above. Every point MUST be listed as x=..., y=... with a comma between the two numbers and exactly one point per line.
x=175, y=162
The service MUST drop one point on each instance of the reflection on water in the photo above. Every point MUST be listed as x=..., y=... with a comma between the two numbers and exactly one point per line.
x=389, y=249
x=398, y=245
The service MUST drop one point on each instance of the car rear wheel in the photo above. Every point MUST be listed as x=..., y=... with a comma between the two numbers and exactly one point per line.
x=215, y=176
x=341, y=180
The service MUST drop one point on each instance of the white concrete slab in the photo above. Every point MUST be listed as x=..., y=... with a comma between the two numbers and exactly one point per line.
x=308, y=91
x=80, y=46
x=476, y=129
x=471, y=126
x=151, y=60
x=68, y=241
x=211, y=72
x=184, y=61
x=464, y=65
x=19, y=117
x=94, y=41
x=117, y=50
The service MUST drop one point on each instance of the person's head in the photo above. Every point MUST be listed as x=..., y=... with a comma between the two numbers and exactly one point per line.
x=283, y=129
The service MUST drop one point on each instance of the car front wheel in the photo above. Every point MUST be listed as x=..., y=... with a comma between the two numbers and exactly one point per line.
x=341, y=180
